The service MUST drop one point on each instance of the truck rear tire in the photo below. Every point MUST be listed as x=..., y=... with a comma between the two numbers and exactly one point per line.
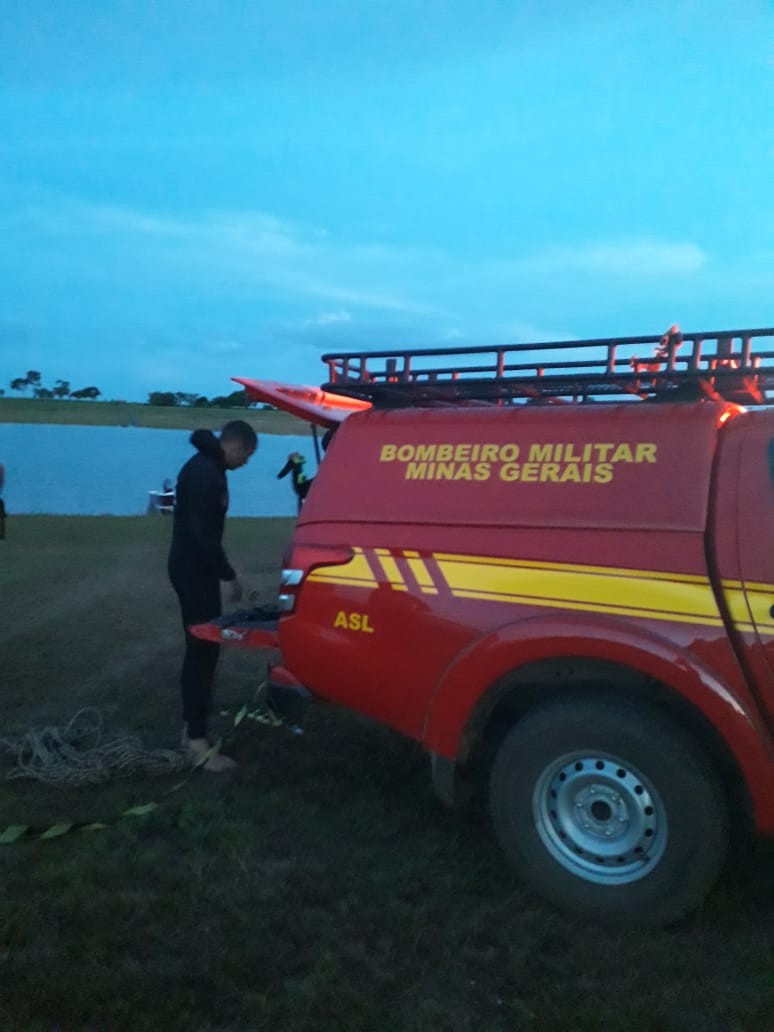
x=609, y=811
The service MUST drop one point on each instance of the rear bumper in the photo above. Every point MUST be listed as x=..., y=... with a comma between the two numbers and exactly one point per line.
x=257, y=629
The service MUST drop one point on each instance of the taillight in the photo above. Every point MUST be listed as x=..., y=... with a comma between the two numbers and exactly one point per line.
x=286, y=600
x=301, y=560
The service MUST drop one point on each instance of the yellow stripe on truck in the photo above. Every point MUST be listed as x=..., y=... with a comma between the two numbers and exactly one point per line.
x=356, y=573
x=750, y=605
x=390, y=568
x=620, y=591
x=653, y=596
x=421, y=573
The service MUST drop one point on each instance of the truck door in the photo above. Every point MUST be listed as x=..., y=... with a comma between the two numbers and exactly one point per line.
x=749, y=592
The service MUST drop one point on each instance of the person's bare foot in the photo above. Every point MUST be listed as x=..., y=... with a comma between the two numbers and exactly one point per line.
x=218, y=763
x=215, y=763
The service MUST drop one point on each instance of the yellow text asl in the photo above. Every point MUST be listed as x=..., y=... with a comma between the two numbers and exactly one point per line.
x=353, y=622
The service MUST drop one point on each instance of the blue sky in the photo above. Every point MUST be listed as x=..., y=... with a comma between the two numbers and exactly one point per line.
x=194, y=190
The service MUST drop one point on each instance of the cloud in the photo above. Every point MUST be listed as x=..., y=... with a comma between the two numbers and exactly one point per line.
x=267, y=268
x=529, y=333
x=328, y=318
x=224, y=346
x=240, y=251
x=625, y=258
x=249, y=292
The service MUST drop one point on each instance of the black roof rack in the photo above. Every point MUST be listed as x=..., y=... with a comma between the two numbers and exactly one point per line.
x=672, y=366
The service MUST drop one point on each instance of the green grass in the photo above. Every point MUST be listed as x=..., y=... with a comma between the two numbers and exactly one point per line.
x=126, y=413
x=322, y=886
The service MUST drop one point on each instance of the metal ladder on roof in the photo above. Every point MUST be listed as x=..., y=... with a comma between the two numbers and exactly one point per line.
x=735, y=365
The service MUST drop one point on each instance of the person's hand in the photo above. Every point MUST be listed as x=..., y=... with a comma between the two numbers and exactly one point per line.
x=235, y=590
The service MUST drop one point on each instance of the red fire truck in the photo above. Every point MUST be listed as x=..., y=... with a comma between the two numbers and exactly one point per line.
x=553, y=566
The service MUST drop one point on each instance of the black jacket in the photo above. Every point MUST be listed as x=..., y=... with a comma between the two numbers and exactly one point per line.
x=201, y=501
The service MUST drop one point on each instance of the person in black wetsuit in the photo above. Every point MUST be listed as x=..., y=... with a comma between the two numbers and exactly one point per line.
x=295, y=465
x=197, y=564
x=301, y=483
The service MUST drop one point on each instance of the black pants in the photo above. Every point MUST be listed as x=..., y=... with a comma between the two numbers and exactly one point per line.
x=199, y=595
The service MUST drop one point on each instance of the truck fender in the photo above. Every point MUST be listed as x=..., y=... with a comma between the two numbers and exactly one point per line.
x=486, y=661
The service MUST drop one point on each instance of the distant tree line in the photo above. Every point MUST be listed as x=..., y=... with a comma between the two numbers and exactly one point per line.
x=32, y=382
x=237, y=399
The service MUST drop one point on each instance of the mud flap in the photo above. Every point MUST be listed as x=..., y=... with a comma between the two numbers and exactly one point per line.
x=452, y=790
x=286, y=696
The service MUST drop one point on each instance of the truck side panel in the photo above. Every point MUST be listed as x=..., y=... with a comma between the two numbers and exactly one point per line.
x=443, y=562
x=610, y=467
x=743, y=531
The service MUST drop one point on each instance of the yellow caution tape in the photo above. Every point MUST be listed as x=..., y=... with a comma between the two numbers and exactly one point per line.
x=26, y=832
x=260, y=716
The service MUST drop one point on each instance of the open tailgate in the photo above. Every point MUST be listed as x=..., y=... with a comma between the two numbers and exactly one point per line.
x=249, y=628
x=311, y=404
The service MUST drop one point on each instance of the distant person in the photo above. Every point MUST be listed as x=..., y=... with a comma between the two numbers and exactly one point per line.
x=167, y=496
x=197, y=565
x=162, y=501
x=299, y=480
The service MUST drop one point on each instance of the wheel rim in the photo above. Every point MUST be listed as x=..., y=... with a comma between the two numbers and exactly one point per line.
x=600, y=818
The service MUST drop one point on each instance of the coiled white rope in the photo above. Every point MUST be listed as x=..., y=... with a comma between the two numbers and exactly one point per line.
x=77, y=754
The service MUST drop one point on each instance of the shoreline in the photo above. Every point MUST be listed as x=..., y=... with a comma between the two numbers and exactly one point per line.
x=137, y=414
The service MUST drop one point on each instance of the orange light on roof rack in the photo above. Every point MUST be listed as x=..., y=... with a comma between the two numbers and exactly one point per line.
x=726, y=414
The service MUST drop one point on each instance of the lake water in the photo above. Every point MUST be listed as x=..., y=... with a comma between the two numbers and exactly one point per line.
x=109, y=470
